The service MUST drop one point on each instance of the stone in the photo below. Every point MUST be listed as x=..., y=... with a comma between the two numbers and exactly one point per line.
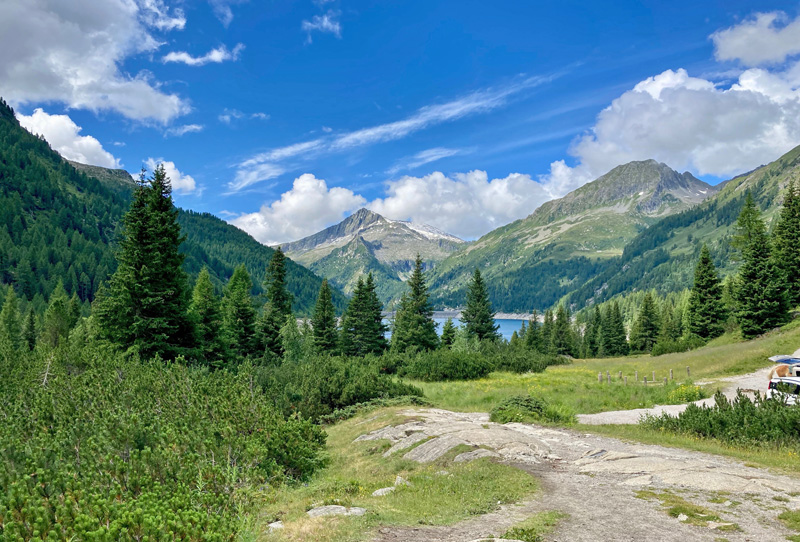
x=405, y=442
x=433, y=449
x=474, y=454
x=682, y=517
x=275, y=525
x=335, y=510
x=383, y=491
x=400, y=481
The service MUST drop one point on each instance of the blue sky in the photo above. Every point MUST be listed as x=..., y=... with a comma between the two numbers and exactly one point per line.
x=286, y=116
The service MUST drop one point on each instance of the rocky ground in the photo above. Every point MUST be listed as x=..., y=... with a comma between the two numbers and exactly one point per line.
x=610, y=489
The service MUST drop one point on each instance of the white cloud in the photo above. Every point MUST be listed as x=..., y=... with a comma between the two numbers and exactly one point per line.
x=181, y=183
x=467, y=204
x=326, y=23
x=263, y=166
x=229, y=115
x=217, y=56
x=63, y=135
x=305, y=209
x=183, y=129
x=766, y=38
x=222, y=10
x=423, y=157
x=71, y=52
x=259, y=116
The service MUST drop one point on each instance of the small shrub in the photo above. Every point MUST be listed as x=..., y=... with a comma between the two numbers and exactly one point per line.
x=684, y=344
x=685, y=393
x=528, y=409
x=439, y=365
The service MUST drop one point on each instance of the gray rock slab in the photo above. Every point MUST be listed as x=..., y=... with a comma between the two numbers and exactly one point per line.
x=405, y=442
x=382, y=492
x=474, y=454
x=335, y=510
x=433, y=449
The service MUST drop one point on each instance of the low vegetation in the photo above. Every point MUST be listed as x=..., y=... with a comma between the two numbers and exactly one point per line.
x=529, y=409
x=535, y=527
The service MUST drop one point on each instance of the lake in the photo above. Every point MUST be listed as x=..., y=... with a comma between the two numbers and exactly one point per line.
x=507, y=325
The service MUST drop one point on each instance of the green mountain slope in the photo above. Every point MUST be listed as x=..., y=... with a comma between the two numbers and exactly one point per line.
x=663, y=256
x=531, y=263
x=367, y=242
x=59, y=223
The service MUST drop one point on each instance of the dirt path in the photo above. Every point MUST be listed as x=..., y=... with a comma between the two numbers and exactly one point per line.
x=595, y=480
x=756, y=381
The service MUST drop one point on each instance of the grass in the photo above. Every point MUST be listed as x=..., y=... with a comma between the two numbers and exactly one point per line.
x=791, y=518
x=694, y=514
x=440, y=493
x=535, y=527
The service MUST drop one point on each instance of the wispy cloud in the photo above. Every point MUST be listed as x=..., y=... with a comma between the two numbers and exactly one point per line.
x=184, y=129
x=327, y=23
x=423, y=157
x=252, y=170
x=218, y=55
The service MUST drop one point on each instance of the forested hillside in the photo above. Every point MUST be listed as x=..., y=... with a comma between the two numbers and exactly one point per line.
x=60, y=223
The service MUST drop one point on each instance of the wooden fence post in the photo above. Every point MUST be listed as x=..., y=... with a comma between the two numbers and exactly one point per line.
x=645, y=381
x=670, y=375
x=600, y=377
x=626, y=380
x=688, y=373
x=654, y=376
x=636, y=373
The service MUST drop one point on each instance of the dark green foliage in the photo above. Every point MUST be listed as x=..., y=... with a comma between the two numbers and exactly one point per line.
x=97, y=447
x=447, y=364
x=277, y=294
x=527, y=409
x=520, y=359
x=59, y=317
x=323, y=322
x=786, y=240
x=563, y=338
x=670, y=324
x=363, y=331
x=318, y=385
x=345, y=413
x=269, y=332
x=145, y=306
x=533, y=337
x=29, y=331
x=206, y=313
x=754, y=422
x=11, y=335
x=548, y=324
x=478, y=316
x=239, y=316
x=592, y=337
x=667, y=345
x=707, y=314
x=760, y=293
x=448, y=333
x=413, y=323
x=614, y=340
x=646, y=328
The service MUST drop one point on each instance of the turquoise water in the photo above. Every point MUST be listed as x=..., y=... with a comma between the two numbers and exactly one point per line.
x=507, y=327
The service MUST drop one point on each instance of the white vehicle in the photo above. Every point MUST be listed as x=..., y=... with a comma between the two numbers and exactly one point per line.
x=786, y=389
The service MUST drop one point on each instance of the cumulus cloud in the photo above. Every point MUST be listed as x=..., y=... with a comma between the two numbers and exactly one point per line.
x=305, y=209
x=766, y=38
x=64, y=137
x=327, y=23
x=181, y=183
x=216, y=56
x=71, y=52
x=183, y=129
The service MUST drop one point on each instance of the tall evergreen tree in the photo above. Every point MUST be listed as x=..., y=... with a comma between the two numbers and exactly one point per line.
x=614, y=341
x=146, y=303
x=563, y=339
x=59, y=317
x=591, y=335
x=11, y=321
x=238, y=314
x=278, y=295
x=206, y=311
x=707, y=312
x=647, y=326
x=786, y=239
x=413, y=324
x=533, y=337
x=29, y=331
x=363, y=331
x=548, y=324
x=448, y=333
x=291, y=341
x=324, y=320
x=478, y=316
x=670, y=325
x=760, y=296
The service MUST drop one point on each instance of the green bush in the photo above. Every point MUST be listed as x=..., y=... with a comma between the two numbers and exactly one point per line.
x=741, y=421
x=529, y=409
x=683, y=344
x=97, y=447
x=443, y=364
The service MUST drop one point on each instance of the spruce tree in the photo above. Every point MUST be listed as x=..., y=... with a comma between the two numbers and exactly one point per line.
x=363, y=331
x=29, y=331
x=238, y=315
x=414, y=326
x=291, y=341
x=563, y=340
x=59, y=318
x=277, y=294
x=206, y=312
x=324, y=320
x=591, y=336
x=533, y=337
x=670, y=325
x=548, y=324
x=146, y=303
x=786, y=240
x=647, y=326
x=11, y=321
x=448, y=333
x=478, y=316
x=760, y=296
x=707, y=312
x=614, y=341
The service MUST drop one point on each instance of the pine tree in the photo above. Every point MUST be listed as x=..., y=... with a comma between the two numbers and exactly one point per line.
x=363, y=331
x=238, y=315
x=670, y=325
x=761, y=299
x=29, y=331
x=278, y=295
x=414, y=326
x=11, y=321
x=59, y=318
x=533, y=337
x=548, y=324
x=614, y=341
x=647, y=326
x=478, y=316
x=448, y=333
x=591, y=336
x=786, y=239
x=206, y=311
x=269, y=332
x=291, y=341
x=324, y=320
x=707, y=312
x=146, y=303
x=563, y=341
